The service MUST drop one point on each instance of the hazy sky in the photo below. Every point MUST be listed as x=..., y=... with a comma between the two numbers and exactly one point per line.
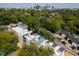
x=28, y=5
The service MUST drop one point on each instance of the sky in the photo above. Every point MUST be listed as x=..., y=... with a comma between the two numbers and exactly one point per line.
x=28, y=5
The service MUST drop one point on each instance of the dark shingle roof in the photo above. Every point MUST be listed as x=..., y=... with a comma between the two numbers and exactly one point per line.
x=73, y=39
x=54, y=45
x=48, y=41
x=61, y=49
x=65, y=33
x=76, y=40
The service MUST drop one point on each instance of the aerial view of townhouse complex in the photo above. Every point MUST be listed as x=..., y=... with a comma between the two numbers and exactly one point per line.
x=39, y=31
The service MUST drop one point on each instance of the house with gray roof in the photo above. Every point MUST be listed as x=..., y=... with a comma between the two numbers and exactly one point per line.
x=72, y=39
x=65, y=34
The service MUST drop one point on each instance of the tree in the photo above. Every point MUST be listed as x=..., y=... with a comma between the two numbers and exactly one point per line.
x=34, y=50
x=8, y=42
x=46, y=34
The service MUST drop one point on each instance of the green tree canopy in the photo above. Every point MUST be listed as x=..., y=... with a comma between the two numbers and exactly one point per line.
x=8, y=42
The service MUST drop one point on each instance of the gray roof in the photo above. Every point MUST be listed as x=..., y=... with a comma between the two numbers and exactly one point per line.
x=65, y=33
x=48, y=41
x=54, y=45
x=73, y=39
x=61, y=49
x=76, y=40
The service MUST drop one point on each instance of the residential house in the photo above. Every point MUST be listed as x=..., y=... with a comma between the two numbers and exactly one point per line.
x=47, y=43
x=72, y=39
x=59, y=51
x=28, y=37
x=64, y=34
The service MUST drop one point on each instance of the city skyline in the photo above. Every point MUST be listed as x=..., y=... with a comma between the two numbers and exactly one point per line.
x=29, y=5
